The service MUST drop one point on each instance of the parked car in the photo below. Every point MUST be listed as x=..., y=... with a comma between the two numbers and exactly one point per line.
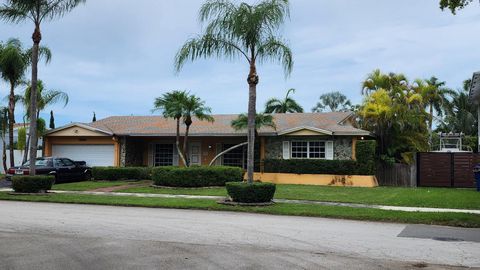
x=64, y=169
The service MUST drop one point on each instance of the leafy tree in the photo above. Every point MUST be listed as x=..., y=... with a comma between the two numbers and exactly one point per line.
x=334, y=101
x=454, y=5
x=461, y=113
x=287, y=105
x=52, y=121
x=22, y=138
x=434, y=95
x=193, y=106
x=396, y=115
x=94, y=119
x=171, y=106
x=246, y=31
x=36, y=11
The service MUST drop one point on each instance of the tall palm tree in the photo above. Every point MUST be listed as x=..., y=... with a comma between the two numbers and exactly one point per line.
x=287, y=105
x=246, y=31
x=3, y=131
x=14, y=61
x=13, y=64
x=334, y=101
x=171, y=106
x=193, y=106
x=45, y=98
x=378, y=80
x=36, y=11
x=434, y=95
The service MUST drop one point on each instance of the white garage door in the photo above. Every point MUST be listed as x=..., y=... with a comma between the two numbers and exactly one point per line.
x=94, y=155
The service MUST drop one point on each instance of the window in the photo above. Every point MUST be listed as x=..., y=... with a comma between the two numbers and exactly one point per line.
x=163, y=155
x=236, y=158
x=308, y=149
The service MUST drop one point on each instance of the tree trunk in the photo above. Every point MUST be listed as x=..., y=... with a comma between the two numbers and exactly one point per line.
x=4, y=154
x=25, y=152
x=226, y=151
x=185, y=145
x=11, y=122
x=430, y=128
x=177, y=143
x=36, y=37
x=252, y=99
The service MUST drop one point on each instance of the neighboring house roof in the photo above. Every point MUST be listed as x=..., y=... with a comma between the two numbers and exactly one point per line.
x=333, y=123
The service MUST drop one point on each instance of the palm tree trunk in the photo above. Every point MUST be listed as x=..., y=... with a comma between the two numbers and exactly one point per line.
x=11, y=121
x=36, y=37
x=430, y=128
x=252, y=99
x=185, y=145
x=25, y=152
x=177, y=143
x=4, y=153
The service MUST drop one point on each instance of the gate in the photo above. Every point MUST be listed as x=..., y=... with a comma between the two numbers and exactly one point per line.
x=446, y=169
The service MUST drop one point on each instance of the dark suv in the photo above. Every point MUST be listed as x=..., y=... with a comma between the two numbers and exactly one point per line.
x=64, y=169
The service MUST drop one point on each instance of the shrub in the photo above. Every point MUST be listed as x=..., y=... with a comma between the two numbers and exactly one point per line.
x=365, y=153
x=121, y=173
x=196, y=176
x=32, y=184
x=251, y=193
x=311, y=166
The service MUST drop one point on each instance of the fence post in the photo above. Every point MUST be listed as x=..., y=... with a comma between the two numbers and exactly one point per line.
x=413, y=171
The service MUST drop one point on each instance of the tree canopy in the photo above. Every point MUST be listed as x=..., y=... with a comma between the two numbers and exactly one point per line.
x=286, y=105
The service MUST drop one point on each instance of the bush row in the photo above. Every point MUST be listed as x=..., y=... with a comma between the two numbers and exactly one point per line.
x=121, y=173
x=196, y=176
x=32, y=184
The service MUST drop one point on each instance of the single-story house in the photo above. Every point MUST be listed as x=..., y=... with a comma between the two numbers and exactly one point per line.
x=150, y=140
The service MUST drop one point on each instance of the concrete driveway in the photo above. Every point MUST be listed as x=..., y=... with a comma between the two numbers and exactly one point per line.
x=64, y=236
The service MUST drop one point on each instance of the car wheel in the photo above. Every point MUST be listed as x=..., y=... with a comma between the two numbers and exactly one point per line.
x=87, y=176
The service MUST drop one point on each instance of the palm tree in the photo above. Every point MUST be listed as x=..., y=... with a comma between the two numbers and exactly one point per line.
x=36, y=11
x=45, y=98
x=434, y=95
x=378, y=80
x=241, y=123
x=261, y=120
x=193, y=107
x=246, y=31
x=171, y=106
x=3, y=131
x=334, y=101
x=287, y=105
x=13, y=64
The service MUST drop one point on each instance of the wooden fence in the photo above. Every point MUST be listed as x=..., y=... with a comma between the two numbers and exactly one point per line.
x=398, y=174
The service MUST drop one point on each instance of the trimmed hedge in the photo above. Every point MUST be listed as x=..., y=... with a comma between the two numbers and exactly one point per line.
x=32, y=184
x=365, y=153
x=196, y=176
x=364, y=165
x=251, y=193
x=121, y=173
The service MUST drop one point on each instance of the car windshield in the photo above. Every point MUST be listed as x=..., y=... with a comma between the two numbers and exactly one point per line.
x=39, y=163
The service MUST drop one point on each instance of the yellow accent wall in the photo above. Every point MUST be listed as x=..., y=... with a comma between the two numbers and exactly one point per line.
x=78, y=132
x=317, y=179
x=305, y=132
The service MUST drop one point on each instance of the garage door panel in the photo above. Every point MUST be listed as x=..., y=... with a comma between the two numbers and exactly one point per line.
x=93, y=155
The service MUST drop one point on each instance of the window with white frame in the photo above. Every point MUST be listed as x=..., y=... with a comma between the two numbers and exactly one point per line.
x=308, y=149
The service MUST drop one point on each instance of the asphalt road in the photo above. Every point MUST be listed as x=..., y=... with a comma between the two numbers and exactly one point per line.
x=64, y=236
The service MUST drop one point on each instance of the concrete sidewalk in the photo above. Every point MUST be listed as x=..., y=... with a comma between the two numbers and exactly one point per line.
x=354, y=205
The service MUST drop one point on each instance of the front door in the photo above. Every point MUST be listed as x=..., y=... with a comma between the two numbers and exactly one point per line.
x=195, y=153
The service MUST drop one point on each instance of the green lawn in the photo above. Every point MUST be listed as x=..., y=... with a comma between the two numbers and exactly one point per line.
x=450, y=219
x=420, y=197
x=89, y=185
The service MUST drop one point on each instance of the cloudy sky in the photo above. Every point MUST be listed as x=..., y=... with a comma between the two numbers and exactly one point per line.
x=115, y=56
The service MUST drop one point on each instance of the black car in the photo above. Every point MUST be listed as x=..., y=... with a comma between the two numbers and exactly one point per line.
x=64, y=169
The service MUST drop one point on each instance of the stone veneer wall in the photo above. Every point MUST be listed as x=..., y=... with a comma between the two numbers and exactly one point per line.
x=342, y=146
